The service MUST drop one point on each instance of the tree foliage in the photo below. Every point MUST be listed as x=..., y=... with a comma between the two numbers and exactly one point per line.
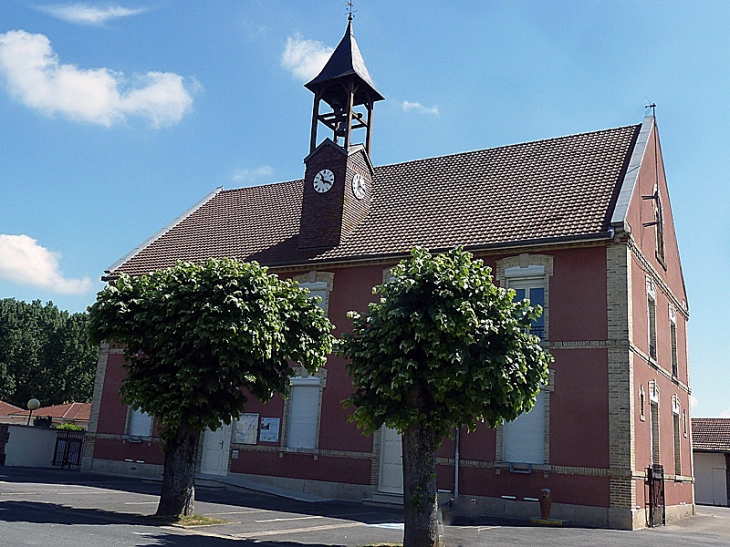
x=442, y=348
x=195, y=336
x=44, y=353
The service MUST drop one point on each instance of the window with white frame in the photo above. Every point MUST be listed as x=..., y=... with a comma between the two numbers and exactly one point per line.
x=303, y=408
x=534, y=291
x=525, y=439
x=642, y=404
x=139, y=423
x=651, y=319
x=654, y=422
x=677, y=436
x=528, y=276
x=673, y=340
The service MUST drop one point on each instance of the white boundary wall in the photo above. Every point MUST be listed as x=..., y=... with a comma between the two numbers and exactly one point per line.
x=30, y=446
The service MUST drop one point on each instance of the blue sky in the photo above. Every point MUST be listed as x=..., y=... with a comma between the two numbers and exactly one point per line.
x=117, y=118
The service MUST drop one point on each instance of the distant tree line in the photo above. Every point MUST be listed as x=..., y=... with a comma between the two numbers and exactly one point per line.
x=44, y=353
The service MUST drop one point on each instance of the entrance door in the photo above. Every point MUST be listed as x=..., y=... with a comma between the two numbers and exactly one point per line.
x=719, y=487
x=391, y=461
x=216, y=445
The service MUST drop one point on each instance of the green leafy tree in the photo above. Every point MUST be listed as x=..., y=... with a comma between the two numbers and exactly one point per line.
x=44, y=353
x=196, y=336
x=443, y=348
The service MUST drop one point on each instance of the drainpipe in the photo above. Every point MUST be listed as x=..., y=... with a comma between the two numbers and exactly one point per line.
x=456, y=464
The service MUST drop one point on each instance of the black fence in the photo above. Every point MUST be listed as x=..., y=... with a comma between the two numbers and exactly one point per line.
x=69, y=447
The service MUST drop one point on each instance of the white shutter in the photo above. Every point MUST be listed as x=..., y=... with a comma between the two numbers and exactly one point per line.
x=140, y=424
x=303, y=413
x=523, y=439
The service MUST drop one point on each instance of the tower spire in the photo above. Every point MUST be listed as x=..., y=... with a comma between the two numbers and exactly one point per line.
x=345, y=87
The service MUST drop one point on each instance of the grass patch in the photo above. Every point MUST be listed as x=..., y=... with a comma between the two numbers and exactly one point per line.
x=192, y=520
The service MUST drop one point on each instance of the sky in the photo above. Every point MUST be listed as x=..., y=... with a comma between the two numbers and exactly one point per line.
x=116, y=118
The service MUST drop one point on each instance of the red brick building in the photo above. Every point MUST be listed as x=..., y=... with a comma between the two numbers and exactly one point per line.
x=580, y=224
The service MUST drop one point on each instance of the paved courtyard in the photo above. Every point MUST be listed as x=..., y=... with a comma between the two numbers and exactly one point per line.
x=64, y=508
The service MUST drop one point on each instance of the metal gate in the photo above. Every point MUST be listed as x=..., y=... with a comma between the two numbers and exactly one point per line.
x=69, y=445
x=655, y=482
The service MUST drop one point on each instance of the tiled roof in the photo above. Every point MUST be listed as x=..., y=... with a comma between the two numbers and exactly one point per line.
x=6, y=409
x=66, y=411
x=711, y=434
x=561, y=188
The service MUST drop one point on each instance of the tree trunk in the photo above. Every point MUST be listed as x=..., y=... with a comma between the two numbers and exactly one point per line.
x=178, y=483
x=420, y=500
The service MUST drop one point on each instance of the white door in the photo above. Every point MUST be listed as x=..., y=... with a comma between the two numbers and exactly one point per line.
x=391, y=461
x=216, y=445
x=719, y=487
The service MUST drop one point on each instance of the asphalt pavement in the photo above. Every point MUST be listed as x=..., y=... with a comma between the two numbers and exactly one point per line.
x=67, y=508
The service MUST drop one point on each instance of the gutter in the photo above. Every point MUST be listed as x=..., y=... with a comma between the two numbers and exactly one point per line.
x=596, y=237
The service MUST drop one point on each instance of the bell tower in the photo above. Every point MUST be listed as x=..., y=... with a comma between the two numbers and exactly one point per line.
x=338, y=179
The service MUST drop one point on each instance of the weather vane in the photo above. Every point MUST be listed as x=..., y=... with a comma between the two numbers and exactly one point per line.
x=349, y=11
x=653, y=108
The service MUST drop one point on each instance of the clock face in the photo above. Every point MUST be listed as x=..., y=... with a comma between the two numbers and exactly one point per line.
x=358, y=186
x=323, y=181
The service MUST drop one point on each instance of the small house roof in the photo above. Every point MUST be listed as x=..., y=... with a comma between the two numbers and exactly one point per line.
x=6, y=409
x=711, y=434
x=66, y=411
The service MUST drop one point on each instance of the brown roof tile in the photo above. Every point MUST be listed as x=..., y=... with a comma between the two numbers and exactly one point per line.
x=66, y=411
x=6, y=409
x=711, y=434
x=564, y=187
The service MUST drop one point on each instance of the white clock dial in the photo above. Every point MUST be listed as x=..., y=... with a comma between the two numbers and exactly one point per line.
x=323, y=181
x=358, y=186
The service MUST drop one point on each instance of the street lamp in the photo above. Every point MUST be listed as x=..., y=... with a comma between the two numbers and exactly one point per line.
x=33, y=404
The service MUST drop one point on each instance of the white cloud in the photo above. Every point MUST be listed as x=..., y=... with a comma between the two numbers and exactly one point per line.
x=304, y=58
x=86, y=14
x=35, y=77
x=724, y=414
x=409, y=106
x=693, y=401
x=252, y=175
x=24, y=261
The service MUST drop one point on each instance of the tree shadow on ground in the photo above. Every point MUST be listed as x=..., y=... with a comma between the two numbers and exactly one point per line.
x=34, y=475
x=53, y=513
x=172, y=540
x=231, y=495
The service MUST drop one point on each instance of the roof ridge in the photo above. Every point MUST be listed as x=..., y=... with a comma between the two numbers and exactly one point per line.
x=256, y=186
x=504, y=146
